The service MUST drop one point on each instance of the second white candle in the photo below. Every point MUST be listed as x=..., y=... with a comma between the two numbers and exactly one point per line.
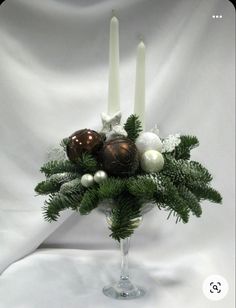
x=139, y=101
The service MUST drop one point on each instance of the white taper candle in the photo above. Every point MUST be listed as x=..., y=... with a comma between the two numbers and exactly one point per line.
x=114, y=78
x=139, y=101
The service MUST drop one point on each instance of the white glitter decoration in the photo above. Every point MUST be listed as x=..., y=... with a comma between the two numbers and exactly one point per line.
x=169, y=143
x=56, y=154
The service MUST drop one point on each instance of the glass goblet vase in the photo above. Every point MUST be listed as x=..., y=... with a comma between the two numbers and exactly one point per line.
x=125, y=288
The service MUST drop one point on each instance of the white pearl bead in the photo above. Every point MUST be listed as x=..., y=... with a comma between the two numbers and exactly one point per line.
x=152, y=161
x=148, y=141
x=87, y=180
x=100, y=176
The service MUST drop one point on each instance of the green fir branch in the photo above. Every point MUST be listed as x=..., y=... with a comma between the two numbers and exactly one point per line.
x=183, y=171
x=168, y=197
x=182, y=151
x=73, y=186
x=58, y=166
x=59, y=202
x=54, y=182
x=87, y=163
x=133, y=127
x=111, y=188
x=89, y=202
x=142, y=187
x=64, y=143
x=205, y=192
x=191, y=200
x=124, y=217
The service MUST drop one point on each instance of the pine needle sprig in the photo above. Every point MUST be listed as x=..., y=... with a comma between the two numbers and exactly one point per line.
x=54, y=182
x=182, y=151
x=133, y=127
x=168, y=195
x=142, y=187
x=205, y=192
x=64, y=143
x=87, y=164
x=59, y=202
x=184, y=171
x=124, y=217
x=111, y=188
x=191, y=200
x=73, y=186
x=58, y=166
x=89, y=201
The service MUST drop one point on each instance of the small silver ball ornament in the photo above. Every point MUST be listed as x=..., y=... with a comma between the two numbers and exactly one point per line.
x=87, y=180
x=148, y=141
x=152, y=161
x=100, y=176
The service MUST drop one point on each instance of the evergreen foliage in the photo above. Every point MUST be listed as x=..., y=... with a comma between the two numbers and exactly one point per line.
x=182, y=151
x=111, y=188
x=124, y=217
x=59, y=202
x=64, y=143
x=89, y=201
x=133, y=127
x=58, y=166
x=54, y=182
x=87, y=164
x=178, y=188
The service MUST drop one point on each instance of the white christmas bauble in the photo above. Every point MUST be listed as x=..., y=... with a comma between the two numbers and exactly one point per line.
x=152, y=161
x=148, y=141
x=87, y=180
x=100, y=176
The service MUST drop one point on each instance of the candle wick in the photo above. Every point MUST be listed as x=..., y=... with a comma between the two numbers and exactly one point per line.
x=113, y=13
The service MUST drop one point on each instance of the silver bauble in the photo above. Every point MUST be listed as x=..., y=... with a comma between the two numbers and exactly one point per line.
x=152, y=161
x=100, y=176
x=87, y=180
x=148, y=141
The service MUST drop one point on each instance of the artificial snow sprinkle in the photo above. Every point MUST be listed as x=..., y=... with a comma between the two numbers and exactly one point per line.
x=56, y=154
x=169, y=143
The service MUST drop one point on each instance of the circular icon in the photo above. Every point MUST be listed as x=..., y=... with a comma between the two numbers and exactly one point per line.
x=215, y=287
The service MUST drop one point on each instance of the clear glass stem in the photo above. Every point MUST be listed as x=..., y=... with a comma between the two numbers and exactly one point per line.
x=124, y=248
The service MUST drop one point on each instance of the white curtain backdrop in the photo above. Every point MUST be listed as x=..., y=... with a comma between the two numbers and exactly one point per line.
x=53, y=81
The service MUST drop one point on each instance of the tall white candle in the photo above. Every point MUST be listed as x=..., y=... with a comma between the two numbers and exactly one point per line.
x=114, y=78
x=139, y=101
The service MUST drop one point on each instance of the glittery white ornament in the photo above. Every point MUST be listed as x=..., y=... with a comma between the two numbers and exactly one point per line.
x=170, y=143
x=148, y=141
x=152, y=161
x=87, y=180
x=100, y=176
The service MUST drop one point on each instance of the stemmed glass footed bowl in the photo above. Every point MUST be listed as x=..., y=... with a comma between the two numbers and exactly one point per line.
x=124, y=288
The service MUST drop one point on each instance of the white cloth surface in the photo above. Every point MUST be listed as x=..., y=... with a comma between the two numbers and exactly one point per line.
x=53, y=81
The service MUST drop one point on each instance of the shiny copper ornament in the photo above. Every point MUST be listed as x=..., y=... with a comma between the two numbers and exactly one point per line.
x=83, y=141
x=119, y=157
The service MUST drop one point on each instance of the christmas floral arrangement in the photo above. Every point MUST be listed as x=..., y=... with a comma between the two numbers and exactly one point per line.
x=125, y=164
x=131, y=167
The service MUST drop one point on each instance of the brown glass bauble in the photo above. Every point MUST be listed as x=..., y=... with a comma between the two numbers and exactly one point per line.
x=119, y=157
x=83, y=141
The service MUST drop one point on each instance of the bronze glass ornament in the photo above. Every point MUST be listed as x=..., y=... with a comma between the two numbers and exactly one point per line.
x=119, y=157
x=83, y=141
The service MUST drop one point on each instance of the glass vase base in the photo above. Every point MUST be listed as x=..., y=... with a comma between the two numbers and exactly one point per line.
x=124, y=289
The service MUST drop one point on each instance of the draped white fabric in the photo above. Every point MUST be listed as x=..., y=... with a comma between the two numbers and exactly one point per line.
x=53, y=81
